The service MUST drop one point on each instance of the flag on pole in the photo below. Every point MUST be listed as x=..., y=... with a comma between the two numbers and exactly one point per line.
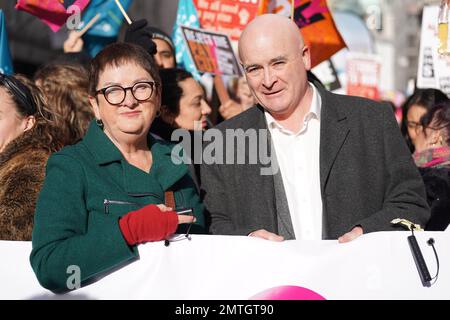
x=283, y=7
x=316, y=24
x=106, y=29
x=186, y=16
x=6, y=66
x=52, y=12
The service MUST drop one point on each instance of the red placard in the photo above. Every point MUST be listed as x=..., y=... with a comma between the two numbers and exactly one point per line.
x=226, y=16
x=363, y=76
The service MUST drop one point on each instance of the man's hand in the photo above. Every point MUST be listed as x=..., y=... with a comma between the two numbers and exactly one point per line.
x=264, y=234
x=73, y=43
x=352, y=235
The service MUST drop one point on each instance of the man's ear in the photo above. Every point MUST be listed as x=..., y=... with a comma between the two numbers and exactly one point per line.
x=29, y=123
x=94, y=104
x=306, y=57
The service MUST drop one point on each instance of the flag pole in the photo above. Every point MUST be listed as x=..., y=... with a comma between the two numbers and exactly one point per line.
x=292, y=10
x=123, y=12
x=88, y=25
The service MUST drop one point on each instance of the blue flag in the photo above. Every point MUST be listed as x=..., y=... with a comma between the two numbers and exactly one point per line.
x=106, y=29
x=186, y=16
x=6, y=66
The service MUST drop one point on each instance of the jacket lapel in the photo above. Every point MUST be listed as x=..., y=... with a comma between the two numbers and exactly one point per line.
x=333, y=132
x=272, y=187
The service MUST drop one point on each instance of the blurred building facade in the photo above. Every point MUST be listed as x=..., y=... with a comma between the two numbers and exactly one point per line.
x=395, y=26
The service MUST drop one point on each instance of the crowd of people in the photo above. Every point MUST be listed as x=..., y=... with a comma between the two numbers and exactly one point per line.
x=87, y=170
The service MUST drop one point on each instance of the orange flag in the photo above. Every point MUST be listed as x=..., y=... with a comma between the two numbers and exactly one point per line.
x=315, y=22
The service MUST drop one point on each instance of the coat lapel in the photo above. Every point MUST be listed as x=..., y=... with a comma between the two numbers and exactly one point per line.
x=333, y=133
x=273, y=189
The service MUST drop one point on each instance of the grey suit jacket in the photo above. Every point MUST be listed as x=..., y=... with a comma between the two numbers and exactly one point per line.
x=367, y=175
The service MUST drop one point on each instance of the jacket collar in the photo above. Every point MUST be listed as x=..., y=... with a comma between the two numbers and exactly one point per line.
x=100, y=146
x=163, y=169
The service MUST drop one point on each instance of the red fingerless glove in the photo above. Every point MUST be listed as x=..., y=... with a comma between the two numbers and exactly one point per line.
x=148, y=224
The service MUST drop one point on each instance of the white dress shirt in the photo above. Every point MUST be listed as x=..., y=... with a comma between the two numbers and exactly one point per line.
x=298, y=159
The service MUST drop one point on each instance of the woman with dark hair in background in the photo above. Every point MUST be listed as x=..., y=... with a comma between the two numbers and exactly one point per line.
x=414, y=108
x=27, y=138
x=432, y=156
x=65, y=89
x=183, y=106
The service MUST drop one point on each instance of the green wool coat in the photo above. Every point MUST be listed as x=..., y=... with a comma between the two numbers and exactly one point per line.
x=87, y=188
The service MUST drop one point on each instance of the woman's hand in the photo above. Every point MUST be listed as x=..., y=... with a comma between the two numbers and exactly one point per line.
x=151, y=223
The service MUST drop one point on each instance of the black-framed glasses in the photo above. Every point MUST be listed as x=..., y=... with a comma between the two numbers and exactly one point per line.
x=141, y=91
x=413, y=125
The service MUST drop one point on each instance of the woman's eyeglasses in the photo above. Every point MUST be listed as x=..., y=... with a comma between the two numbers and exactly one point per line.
x=414, y=125
x=141, y=91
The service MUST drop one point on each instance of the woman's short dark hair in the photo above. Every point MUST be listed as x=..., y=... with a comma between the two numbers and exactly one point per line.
x=171, y=90
x=117, y=54
x=425, y=98
x=438, y=117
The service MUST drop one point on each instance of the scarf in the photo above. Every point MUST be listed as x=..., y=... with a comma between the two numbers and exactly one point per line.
x=433, y=158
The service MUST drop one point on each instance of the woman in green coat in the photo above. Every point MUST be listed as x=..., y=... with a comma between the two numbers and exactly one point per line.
x=104, y=196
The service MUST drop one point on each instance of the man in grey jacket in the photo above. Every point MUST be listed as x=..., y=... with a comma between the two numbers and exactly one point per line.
x=342, y=167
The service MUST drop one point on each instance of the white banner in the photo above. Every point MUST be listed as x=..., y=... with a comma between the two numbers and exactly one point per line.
x=375, y=266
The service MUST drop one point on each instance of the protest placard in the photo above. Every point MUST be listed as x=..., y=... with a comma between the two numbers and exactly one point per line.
x=226, y=16
x=211, y=52
x=363, y=75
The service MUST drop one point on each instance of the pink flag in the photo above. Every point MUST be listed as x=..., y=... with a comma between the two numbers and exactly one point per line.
x=52, y=12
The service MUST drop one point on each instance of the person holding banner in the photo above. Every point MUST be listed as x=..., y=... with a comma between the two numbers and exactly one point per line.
x=104, y=195
x=339, y=165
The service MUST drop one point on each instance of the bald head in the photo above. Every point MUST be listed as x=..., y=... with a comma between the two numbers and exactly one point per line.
x=275, y=28
x=275, y=61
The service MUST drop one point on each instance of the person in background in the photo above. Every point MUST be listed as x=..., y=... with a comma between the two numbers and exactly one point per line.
x=414, y=108
x=27, y=138
x=105, y=195
x=183, y=106
x=183, y=103
x=165, y=49
x=155, y=41
x=65, y=89
x=432, y=157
